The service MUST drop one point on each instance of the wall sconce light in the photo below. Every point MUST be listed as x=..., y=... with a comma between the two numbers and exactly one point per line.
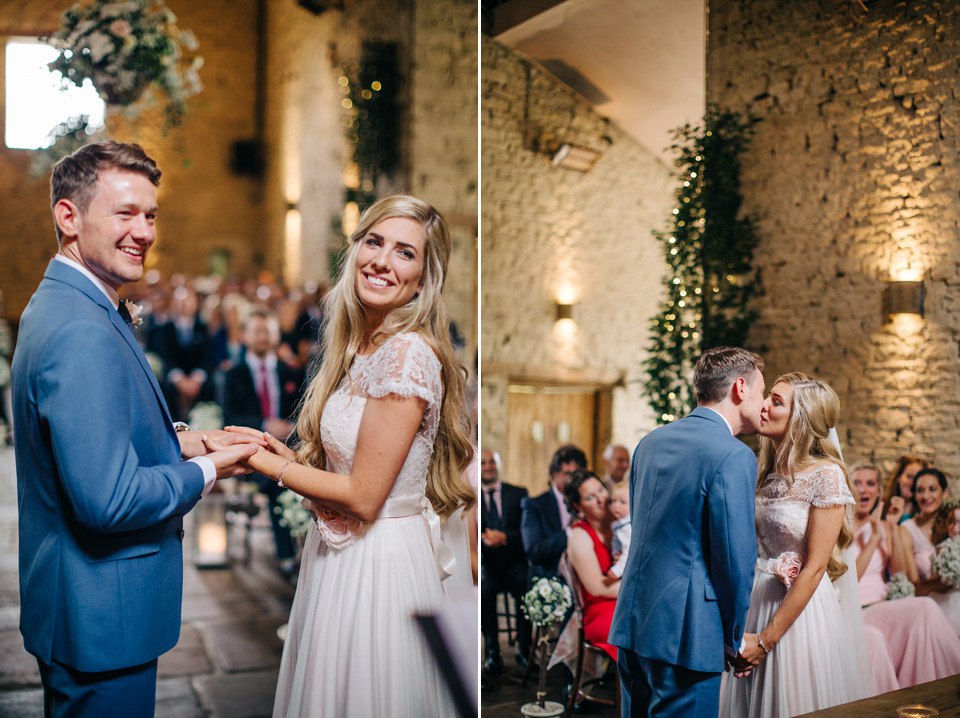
x=574, y=158
x=903, y=298
x=564, y=311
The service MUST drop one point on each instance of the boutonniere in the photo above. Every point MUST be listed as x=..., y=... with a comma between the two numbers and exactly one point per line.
x=135, y=311
x=290, y=387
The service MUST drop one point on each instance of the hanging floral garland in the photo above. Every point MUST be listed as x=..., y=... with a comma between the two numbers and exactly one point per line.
x=124, y=48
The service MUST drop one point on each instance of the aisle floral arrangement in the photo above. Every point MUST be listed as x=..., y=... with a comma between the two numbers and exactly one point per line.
x=292, y=513
x=546, y=603
x=123, y=47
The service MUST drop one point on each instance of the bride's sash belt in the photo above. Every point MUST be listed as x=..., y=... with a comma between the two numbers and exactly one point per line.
x=411, y=506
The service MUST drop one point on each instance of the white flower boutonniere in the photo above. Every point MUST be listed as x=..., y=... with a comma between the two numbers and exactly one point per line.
x=135, y=311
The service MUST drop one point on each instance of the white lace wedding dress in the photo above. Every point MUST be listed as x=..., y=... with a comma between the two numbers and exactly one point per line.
x=353, y=648
x=821, y=660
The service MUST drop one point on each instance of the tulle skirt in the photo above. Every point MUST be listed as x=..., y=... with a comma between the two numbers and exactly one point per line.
x=353, y=648
x=814, y=665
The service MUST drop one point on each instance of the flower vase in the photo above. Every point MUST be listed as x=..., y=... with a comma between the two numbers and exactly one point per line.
x=542, y=708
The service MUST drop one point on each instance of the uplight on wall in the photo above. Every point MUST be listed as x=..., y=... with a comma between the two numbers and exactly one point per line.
x=564, y=311
x=903, y=297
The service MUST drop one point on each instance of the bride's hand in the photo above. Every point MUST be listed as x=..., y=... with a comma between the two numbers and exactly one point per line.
x=751, y=655
x=273, y=443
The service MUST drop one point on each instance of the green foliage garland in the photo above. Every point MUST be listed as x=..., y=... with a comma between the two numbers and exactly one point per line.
x=709, y=252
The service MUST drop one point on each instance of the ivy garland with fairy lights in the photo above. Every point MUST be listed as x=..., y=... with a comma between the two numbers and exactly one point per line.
x=709, y=253
x=371, y=90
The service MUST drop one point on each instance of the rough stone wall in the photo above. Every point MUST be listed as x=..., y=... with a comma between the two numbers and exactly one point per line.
x=854, y=175
x=552, y=234
x=203, y=204
x=444, y=143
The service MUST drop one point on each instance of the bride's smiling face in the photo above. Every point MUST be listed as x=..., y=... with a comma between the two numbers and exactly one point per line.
x=775, y=415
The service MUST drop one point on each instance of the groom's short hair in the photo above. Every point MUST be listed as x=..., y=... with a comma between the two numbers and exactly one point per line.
x=718, y=368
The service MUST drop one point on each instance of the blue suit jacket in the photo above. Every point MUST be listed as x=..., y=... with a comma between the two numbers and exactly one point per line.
x=686, y=585
x=100, y=485
x=541, y=528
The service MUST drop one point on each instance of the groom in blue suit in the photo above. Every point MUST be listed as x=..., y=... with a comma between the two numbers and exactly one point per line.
x=100, y=483
x=689, y=571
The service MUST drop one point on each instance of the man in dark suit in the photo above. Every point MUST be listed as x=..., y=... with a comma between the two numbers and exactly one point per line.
x=689, y=571
x=545, y=521
x=263, y=392
x=504, y=561
x=101, y=486
x=184, y=346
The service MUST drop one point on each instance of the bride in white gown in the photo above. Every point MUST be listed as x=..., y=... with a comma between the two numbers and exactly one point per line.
x=385, y=418
x=806, y=634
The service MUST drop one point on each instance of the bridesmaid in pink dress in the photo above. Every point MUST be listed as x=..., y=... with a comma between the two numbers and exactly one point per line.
x=921, y=535
x=588, y=547
x=910, y=636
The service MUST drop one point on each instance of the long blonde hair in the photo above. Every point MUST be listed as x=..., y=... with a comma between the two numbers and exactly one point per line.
x=815, y=409
x=426, y=315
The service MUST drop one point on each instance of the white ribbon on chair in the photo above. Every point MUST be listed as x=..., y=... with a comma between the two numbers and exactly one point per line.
x=411, y=506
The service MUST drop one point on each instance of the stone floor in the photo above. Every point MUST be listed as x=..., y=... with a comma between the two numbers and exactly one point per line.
x=503, y=696
x=226, y=663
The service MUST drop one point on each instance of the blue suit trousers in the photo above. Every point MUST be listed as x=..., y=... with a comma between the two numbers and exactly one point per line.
x=122, y=693
x=651, y=688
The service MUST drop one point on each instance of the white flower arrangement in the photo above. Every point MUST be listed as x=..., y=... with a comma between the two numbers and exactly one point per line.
x=548, y=601
x=206, y=416
x=899, y=586
x=122, y=47
x=292, y=513
x=947, y=562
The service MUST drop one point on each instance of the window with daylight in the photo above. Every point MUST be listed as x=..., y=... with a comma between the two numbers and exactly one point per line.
x=35, y=101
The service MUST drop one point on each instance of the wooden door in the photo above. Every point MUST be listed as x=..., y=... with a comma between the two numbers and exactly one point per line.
x=541, y=419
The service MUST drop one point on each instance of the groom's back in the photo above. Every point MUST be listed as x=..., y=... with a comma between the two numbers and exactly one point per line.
x=686, y=478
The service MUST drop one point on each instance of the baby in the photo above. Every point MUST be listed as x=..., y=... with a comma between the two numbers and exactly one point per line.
x=620, y=508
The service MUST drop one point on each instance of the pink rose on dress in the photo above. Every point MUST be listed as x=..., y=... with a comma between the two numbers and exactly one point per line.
x=785, y=567
x=337, y=530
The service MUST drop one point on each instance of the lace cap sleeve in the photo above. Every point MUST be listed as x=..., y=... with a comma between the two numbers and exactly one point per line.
x=826, y=486
x=406, y=366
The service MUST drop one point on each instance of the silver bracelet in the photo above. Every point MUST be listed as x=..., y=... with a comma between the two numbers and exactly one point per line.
x=280, y=477
x=760, y=641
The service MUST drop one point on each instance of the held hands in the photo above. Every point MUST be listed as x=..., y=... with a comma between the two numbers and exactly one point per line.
x=269, y=442
x=228, y=452
x=744, y=662
x=493, y=538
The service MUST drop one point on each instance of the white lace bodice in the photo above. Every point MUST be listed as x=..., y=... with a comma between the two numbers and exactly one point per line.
x=783, y=507
x=404, y=365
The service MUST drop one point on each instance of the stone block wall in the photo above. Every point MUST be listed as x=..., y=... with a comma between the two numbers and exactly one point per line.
x=854, y=175
x=552, y=234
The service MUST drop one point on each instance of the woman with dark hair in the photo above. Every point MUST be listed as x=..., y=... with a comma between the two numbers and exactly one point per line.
x=900, y=484
x=804, y=649
x=383, y=447
x=589, y=550
x=929, y=490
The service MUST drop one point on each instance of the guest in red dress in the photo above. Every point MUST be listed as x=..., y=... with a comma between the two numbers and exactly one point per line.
x=588, y=547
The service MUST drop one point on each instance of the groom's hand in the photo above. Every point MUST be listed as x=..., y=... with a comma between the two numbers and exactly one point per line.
x=231, y=460
x=192, y=442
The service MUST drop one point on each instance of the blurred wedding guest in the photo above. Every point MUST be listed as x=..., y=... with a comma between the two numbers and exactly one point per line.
x=589, y=549
x=294, y=345
x=504, y=567
x=264, y=392
x=312, y=320
x=901, y=484
x=616, y=462
x=545, y=519
x=922, y=534
x=620, y=510
x=6, y=353
x=183, y=345
x=920, y=643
